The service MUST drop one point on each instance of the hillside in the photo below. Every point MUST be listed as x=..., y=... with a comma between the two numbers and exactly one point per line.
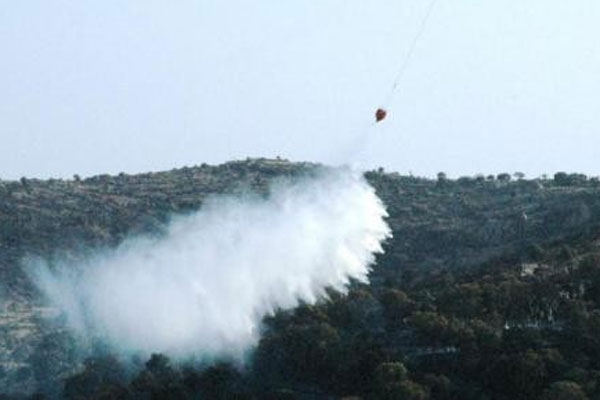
x=488, y=289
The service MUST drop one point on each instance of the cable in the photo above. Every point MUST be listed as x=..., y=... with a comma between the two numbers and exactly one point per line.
x=411, y=50
x=358, y=154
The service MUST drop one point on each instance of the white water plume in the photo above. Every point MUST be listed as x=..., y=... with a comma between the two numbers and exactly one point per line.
x=202, y=289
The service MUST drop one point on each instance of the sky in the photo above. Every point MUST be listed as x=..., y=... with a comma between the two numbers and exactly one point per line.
x=90, y=87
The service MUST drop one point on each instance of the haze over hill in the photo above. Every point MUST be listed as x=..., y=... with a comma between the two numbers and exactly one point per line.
x=201, y=288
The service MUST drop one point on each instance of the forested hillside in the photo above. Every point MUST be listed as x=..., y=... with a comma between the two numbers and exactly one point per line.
x=489, y=289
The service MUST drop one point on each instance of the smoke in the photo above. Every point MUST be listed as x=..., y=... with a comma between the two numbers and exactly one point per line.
x=202, y=289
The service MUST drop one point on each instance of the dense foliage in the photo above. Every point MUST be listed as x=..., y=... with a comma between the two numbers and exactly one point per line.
x=490, y=289
x=499, y=331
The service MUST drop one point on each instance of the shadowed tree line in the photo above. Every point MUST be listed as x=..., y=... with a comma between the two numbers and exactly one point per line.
x=497, y=331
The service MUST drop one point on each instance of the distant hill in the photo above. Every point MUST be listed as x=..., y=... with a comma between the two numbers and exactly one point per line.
x=465, y=222
x=447, y=234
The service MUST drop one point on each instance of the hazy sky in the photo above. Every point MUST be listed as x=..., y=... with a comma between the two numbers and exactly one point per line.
x=107, y=86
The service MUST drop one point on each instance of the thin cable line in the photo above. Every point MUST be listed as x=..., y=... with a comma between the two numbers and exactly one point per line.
x=411, y=51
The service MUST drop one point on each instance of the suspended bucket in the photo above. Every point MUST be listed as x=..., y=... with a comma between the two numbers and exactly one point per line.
x=380, y=114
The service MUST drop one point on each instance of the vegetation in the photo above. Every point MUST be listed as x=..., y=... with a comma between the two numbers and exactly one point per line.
x=490, y=289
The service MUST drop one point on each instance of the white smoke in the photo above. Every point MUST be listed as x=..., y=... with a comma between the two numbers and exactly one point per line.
x=202, y=289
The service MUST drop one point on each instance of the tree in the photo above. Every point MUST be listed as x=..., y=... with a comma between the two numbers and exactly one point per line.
x=391, y=382
x=159, y=380
x=564, y=179
x=503, y=177
x=440, y=386
x=465, y=180
x=390, y=372
x=303, y=351
x=520, y=375
x=100, y=375
x=564, y=390
x=396, y=306
x=480, y=178
x=432, y=326
x=220, y=382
